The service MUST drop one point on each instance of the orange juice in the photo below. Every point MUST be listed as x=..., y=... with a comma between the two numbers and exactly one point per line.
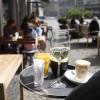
x=45, y=57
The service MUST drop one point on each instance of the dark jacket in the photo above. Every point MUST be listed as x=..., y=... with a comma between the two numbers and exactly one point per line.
x=87, y=91
x=93, y=26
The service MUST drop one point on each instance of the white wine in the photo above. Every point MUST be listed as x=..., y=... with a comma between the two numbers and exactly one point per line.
x=64, y=53
x=56, y=52
x=60, y=53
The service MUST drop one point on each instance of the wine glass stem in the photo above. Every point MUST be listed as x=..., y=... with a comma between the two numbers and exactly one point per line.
x=58, y=72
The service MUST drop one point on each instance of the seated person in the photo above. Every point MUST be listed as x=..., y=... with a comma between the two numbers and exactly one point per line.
x=29, y=33
x=87, y=91
x=93, y=27
x=10, y=28
x=43, y=26
x=74, y=23
x=38, y=28
x=40, y=36
x=9, y=32
x=74, y=26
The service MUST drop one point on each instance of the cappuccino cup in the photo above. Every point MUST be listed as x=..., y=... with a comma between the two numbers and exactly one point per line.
x=82, y=68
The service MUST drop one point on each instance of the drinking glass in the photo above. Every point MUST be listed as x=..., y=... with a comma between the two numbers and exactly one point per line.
x=60, y=46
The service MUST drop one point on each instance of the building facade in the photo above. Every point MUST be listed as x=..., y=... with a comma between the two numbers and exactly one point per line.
x=51, y=8
x=64, y=5
x=93, y=6
x=61, y=6
x=36, y=6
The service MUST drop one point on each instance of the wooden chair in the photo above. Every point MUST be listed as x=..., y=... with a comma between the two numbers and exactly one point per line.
x=42, y=42
x=28, y=51
x=85, y=33
x=74, y=32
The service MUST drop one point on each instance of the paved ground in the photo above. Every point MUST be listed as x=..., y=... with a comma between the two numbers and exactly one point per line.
x=78, y=51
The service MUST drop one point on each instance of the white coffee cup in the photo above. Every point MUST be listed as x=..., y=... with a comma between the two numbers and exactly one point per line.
x=16, y=34
x=82, y=68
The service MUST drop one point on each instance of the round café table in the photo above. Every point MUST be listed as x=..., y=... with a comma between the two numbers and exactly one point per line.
x=26, y=79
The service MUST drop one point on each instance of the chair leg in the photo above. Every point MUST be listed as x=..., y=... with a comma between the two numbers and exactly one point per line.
x=98, y=45
x=25, y=60
x=31, y=61
x=87, y=42
x=78, y=40
x=98, y=52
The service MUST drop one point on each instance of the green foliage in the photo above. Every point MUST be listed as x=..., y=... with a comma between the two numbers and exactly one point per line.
x=87, y=14
x=62, y=20
x=78, y=12
x=74, y=12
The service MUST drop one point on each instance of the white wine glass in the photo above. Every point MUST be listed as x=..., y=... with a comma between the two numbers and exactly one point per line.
x=60, y=46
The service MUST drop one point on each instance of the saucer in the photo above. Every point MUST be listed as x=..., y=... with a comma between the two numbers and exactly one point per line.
x=70, y=75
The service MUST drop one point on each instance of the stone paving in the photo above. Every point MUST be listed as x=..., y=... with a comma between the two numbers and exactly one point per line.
x=78, y=51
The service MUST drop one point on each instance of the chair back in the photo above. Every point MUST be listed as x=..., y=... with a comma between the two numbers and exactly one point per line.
x=26, y=41
x=84, y=30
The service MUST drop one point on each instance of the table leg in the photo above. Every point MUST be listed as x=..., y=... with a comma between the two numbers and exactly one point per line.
x=3, y=93
x=21, y=88
x=21, y=93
